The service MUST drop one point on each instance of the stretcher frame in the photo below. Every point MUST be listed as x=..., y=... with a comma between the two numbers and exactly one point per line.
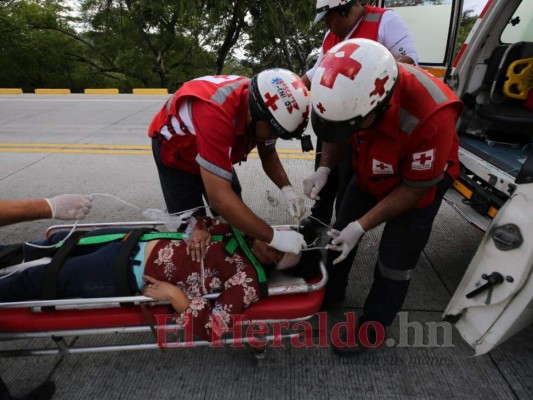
x=16, y=317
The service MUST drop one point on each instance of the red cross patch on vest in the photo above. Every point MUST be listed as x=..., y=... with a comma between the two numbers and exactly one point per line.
x=423, y=160
x=381, y=168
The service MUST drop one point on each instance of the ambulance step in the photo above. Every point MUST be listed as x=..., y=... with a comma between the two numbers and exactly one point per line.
x=455, y=199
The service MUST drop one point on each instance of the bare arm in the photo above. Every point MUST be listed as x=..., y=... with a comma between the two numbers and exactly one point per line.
x=332, y=153
x=272, y=165
x=398, y=202
x=225, y=201
x=405, y=59
x=13, y=211
x=306, y=81
x=165, y=291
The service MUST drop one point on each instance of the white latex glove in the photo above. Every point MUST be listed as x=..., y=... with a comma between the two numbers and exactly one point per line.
x=314, y=183
x=346, y=240
x=288, y=241
x=70, y=206
x=295, y=202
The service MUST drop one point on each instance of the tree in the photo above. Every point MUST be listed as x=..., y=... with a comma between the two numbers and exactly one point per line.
x=467, y=22
x=281, y=34
x=151, y=43
x=30, y=57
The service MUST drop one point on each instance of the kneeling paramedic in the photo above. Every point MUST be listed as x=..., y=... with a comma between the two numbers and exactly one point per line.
x=213, y=122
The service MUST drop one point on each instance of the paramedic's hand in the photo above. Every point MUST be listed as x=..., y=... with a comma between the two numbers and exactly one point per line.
x=294, y=201
x=314, y=183
x=288, y=241
x=346, y=240
x=197, y=244
x=70, y=206
x=166, y=291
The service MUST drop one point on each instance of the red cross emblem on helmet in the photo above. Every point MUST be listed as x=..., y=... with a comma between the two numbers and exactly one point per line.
x=339, y=63
x=270, y=101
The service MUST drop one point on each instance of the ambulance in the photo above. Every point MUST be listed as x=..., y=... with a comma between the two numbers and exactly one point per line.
x=493, y=75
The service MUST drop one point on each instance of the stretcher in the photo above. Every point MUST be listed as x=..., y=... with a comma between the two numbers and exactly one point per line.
x=290, y=300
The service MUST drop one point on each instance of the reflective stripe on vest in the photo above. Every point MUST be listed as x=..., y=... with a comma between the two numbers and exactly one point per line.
x=219, y=97
x=433, y=89
x=372, y=17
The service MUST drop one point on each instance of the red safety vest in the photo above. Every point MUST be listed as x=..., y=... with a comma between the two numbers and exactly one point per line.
x=394, y=150
x=367, y=29
x=228, y=93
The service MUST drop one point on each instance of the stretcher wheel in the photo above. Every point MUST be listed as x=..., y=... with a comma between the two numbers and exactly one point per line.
x=259, y=355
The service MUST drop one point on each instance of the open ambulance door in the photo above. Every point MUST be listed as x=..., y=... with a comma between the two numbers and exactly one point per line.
x=494, y=299
x=433, y=26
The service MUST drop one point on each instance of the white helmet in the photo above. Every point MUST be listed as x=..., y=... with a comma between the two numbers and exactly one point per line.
x=323, y=6
x=280, y=97
x=354, y=79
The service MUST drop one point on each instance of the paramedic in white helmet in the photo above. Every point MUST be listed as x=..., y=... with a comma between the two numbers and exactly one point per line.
x=400, y=122
x=214, y=122
x=349, y=19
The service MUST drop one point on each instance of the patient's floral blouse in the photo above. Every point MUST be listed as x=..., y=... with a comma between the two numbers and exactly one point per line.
x=231, y=275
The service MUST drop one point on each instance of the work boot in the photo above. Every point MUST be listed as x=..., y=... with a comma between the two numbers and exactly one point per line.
x=333, y=299
x=43, y=392
x=369, y=344
x=335, y=288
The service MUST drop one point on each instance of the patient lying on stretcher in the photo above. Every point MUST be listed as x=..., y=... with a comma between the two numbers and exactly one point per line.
x=177, y=271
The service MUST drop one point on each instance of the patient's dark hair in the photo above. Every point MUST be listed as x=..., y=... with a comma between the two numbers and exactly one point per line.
x=308, y=267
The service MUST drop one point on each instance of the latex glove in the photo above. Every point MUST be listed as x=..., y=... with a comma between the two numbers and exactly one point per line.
x=70, y=206
x=295, y=202
x=314, y=183
x=288, y=241
x=346, y=240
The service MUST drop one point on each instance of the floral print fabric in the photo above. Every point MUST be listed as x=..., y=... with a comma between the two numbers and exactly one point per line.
x=231, y=275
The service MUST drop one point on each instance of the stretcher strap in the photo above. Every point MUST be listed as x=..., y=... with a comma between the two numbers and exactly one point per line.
x=102, y=239
x=11, y=255
x=261, y=276
x=231, y=246
x=14, y=254
x=58, y=260
x=147, y=316
x=122, y=263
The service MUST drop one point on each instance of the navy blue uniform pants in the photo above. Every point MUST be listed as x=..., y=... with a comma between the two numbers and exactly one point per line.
x=183, y=191
x=333, y=191
x=400, y=247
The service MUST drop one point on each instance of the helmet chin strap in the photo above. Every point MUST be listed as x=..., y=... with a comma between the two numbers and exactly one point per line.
x=251, y=130
x=307, y=144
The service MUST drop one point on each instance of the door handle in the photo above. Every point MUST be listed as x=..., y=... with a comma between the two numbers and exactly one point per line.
x=493, y=279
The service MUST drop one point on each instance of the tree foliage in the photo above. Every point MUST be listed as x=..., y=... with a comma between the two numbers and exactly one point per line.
x=31, y=57
x=151, y=43
x=154, y=43
x=467, y=22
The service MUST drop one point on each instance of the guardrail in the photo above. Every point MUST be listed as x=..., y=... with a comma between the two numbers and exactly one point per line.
x=89, y=91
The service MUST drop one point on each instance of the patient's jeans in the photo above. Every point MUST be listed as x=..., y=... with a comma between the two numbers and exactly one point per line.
x=87, y=272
